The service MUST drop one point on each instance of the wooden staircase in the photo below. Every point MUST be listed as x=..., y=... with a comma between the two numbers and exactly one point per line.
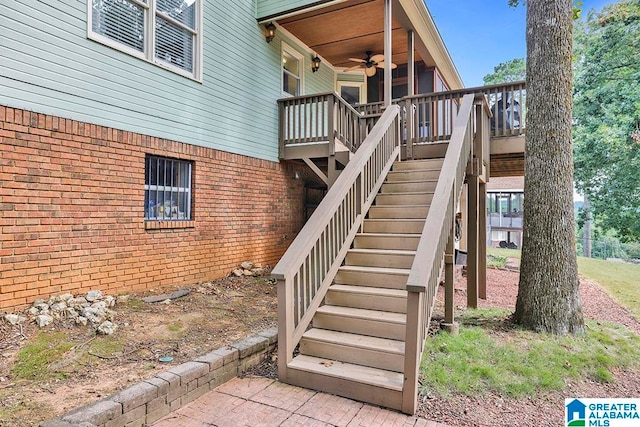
x=355, y=346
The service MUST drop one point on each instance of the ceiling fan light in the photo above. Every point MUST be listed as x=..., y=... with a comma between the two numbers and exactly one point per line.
x=370, y=71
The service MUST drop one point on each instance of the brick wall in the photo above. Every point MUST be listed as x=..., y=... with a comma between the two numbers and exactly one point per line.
x=72, y=209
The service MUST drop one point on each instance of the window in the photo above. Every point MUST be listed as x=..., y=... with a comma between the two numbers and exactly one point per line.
x=292, y=67
x=165, y=32
x=167, y=189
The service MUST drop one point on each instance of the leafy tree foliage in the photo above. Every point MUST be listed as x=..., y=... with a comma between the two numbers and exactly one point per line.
x=607, y=115
x=505, y=72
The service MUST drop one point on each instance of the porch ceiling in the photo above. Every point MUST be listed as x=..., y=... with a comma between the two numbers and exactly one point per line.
x=348, y=30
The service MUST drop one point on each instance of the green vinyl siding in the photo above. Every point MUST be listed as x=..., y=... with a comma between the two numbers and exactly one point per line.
x=345, y=77
x=49, y=66
x=267, y=8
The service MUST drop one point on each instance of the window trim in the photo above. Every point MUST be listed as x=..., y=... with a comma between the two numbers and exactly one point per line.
x=187, y=188
x=298, y=56
x=360, y=85
x=148, y=54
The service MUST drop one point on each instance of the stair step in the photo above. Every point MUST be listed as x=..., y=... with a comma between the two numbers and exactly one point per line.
x=413, y=175
x=363, y=350
x=376, y=323
x=404, y=199
x=394, y=226
x=435, y=163
x=380, y=258
x=408, y=187
x=367, y=297
x=386, y=241
x=398, y=211
x=366, y=384
x=395, y=278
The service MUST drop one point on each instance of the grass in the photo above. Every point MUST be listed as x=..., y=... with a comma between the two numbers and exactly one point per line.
x=33, y=360
x=496, y=261
x=483, y=358
x=619, y=280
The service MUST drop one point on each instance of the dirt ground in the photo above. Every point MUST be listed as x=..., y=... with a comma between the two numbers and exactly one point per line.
x=222, y=311
x=212, y=315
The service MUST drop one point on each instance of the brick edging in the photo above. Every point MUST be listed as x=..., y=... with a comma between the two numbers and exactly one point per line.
x=147, y=401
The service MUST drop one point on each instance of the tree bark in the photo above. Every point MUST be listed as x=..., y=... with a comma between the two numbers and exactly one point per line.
x=548, y=294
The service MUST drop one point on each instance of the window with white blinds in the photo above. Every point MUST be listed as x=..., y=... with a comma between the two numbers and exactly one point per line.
x=166, y=32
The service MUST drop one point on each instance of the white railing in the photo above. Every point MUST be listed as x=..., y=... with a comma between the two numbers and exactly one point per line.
x=310, y=264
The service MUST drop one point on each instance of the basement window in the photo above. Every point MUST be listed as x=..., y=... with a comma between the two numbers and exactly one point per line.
x=167, y=189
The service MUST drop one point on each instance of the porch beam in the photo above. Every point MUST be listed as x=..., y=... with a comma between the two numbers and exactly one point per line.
x=387, y=53
x=316, y=169
x=472, y=236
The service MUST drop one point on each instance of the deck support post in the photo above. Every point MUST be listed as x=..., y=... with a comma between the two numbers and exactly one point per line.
x=482, y=241
x=449, y=324
x=472, y=235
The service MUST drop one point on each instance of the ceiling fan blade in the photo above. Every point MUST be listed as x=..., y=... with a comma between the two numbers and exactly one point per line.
x=357, y=60
x=381, y=65
x=377, y=58
x=355, y=67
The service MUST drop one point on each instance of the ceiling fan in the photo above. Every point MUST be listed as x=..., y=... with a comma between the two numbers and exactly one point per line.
x=370, y=63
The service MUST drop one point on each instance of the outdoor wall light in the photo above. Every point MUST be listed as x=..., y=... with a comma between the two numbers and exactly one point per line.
x=315, y=63
x=270, y=32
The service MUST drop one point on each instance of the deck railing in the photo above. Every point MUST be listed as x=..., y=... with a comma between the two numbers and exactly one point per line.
x=424, y=276
x=309, y=266
x=324, y=117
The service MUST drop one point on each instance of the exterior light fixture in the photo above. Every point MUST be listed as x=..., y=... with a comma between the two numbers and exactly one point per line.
x=270, y=32
x=315, y=63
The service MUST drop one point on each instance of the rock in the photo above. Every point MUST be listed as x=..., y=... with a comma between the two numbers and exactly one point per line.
x=167, y=301
x=99, y=305
x=71, y=313
x=94, y=295
x=13, y=319
x=258, y=271
x=58, y=307
x=107, y=328
x=81, y=320
x=94, y=315
x=39, y=301
x=33, y=311
x=78, y=302
x=122, y=299
x=42, y=307
x=247, y=272
x=43, y=320
x=257, y=265
x=110, y=301
x=237, y=273
x=246, y=265
x=65, y=297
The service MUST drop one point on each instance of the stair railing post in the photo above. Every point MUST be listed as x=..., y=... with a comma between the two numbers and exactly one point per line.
x=412, y=351
x=285, y=327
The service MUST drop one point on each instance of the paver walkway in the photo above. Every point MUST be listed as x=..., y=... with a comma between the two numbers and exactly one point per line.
x=258, y=401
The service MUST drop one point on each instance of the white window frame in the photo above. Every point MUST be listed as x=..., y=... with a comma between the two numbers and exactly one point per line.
x=361, y=85
x=148, y=53
x=186, y=188
x=285, y=48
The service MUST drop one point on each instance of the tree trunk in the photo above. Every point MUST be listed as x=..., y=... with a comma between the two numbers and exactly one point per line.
x=548, y=295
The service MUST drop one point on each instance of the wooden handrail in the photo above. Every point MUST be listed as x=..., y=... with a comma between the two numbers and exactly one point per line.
x=306, y=270
x=423, y=277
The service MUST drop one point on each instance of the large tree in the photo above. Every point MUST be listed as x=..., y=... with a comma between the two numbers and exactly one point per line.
x=607, y=116
x=548, y=295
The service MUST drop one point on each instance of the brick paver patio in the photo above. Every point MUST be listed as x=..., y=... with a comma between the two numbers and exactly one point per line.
x=258, y=401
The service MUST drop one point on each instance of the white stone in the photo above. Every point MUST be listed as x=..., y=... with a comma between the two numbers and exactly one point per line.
x=13, y=319
x=58, y=306
x=247, y=272
x=246, y=265
x=93, y=295
x=237, y=273
x=110, y=301
x=99, y=305
x=81, y=320
x=43, y=320
x=71, y=312
x=33, y=311
x=122, y=299
x=65, y=297
x=93, y=314
x=78, y=302
x=43, y=306
x=107, y=328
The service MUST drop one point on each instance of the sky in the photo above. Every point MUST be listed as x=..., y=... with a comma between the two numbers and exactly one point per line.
x=481, y=34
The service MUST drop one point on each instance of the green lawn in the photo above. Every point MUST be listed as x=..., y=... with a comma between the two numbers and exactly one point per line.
x=491, y=355
x=620, y=280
